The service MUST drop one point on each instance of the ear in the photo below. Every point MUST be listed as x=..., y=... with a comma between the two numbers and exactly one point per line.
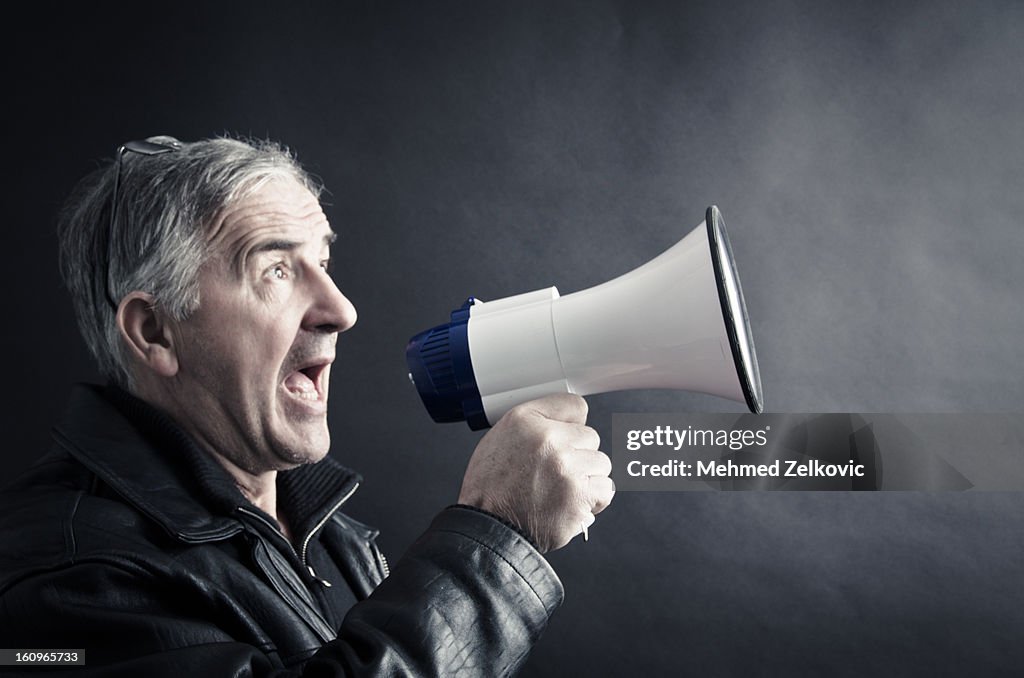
x=147, y=333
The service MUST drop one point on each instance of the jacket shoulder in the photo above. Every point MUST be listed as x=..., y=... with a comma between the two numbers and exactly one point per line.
x=57, y=513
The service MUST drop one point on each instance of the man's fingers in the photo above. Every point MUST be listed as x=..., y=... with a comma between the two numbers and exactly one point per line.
x=591, y=462
x=586, y=438
x=602, y=489
x=561, y=407
x=574, y=437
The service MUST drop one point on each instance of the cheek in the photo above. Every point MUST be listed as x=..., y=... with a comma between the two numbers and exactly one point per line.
x=258, y=351
x=228, y=350
x=242, y=339
x=255, y=356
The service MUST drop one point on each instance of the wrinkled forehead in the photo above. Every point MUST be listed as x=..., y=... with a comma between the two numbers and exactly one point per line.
x=279, y=208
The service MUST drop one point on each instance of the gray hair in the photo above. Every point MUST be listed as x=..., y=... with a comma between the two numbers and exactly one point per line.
x=157, y=242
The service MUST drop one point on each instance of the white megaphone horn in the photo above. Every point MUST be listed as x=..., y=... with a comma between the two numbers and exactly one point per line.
x=678, y=322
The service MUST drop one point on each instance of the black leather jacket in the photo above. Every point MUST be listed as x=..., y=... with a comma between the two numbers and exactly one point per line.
x=130, y=543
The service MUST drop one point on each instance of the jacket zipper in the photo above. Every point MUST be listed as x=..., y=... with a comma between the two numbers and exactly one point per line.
x=302, y=555
x=309, y=568
x=316, y=528
x=381, y=560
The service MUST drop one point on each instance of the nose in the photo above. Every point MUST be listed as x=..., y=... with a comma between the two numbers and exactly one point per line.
x=331, y=311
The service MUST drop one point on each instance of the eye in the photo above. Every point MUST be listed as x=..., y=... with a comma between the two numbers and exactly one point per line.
x=278, y=272
x=326, y=264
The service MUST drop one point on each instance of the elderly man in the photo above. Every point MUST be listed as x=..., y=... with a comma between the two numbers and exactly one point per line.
x=188, y=519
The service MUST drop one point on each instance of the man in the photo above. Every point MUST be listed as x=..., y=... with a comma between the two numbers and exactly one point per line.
x=188, y=519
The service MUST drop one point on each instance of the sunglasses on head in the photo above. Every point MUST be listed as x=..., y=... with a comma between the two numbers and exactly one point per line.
x=142, y=147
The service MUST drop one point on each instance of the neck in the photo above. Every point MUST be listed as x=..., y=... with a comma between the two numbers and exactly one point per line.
x=259, y=488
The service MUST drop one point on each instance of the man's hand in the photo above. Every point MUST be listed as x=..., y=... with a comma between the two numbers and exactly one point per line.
x=540, y=469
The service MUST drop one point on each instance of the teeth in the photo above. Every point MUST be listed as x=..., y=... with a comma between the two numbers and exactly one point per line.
x=301, y=386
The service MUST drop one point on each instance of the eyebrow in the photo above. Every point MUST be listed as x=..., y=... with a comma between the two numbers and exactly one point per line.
x=279, y=245
x=287, y=245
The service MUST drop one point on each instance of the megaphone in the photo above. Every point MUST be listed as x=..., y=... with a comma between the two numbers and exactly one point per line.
x=677, y=322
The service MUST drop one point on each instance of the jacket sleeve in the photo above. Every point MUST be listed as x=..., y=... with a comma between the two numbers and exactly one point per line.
x=469, y=598
x=473, y=592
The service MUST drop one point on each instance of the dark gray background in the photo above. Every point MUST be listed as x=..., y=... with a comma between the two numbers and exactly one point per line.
x=867, y=158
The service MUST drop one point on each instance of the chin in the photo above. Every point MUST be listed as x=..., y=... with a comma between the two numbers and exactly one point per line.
x=318, y=454
x=307, y=449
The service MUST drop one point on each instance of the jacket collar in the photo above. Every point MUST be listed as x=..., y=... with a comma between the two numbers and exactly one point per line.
x=149, y=460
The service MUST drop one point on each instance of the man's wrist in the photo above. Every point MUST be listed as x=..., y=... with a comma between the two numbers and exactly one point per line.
x=503, y=521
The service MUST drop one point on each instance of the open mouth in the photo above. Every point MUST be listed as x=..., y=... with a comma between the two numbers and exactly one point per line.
x=309, y=382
